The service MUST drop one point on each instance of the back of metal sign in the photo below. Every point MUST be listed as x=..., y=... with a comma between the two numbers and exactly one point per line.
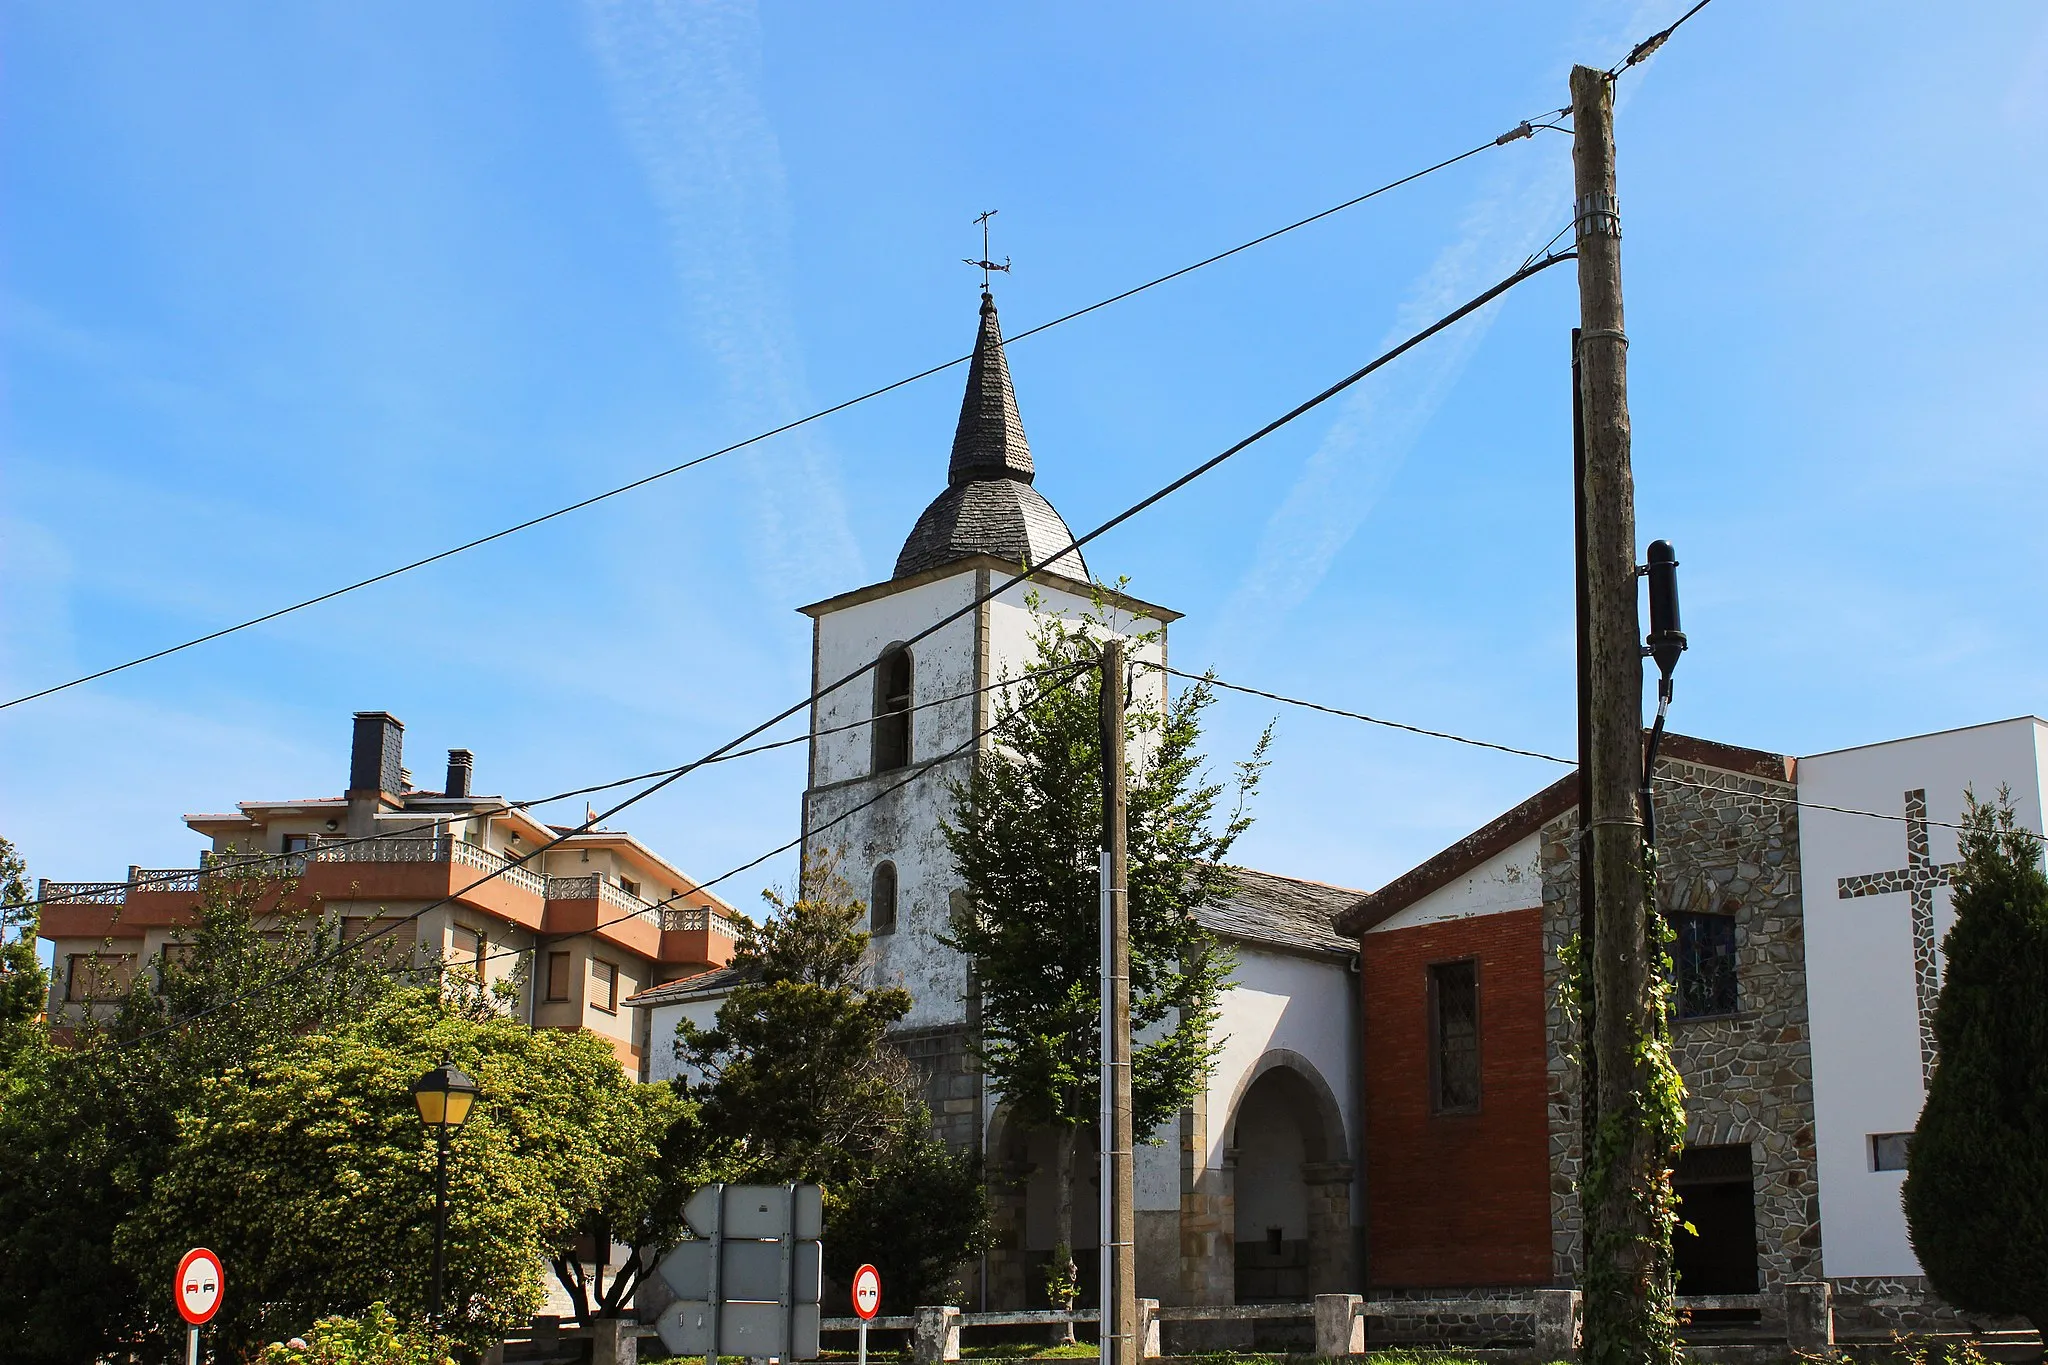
x=745, y=1329
x=756, y=1211
x=752, y=1270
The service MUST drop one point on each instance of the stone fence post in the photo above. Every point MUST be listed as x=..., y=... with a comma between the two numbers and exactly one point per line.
x=615, y=1341
x=1810, y=1316
x=1340, y=1328
x=936, y=1335
x=1148, y=1329
x=1557, y=1323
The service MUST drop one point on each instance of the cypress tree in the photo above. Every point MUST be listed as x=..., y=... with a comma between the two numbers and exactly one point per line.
x=1976, y=1192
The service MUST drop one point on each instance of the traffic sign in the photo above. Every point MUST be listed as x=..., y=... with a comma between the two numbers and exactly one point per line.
x=756, y=1211
x=197, y=1288
x=867, y=1292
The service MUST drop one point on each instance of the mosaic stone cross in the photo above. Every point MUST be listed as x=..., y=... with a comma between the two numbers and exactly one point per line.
x=1917, y=878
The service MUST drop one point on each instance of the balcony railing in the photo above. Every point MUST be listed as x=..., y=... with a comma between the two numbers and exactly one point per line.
x=434, y=849
x=82, y=893
x=682, y=919
x=595, y=887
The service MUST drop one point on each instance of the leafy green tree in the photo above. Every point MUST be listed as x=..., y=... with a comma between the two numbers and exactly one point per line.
x=799, y=1084
x=23, y=984
x=1976, y=1192
x=89, y=1124
x=1025, y=837
x=307, y=1167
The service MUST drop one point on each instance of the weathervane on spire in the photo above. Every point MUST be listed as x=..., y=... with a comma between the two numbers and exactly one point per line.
x=985, y=263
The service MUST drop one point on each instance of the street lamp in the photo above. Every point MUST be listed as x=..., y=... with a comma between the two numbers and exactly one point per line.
x=445, y=1096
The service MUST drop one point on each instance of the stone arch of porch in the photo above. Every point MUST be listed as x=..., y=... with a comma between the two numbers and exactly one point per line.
x=1285, y=1097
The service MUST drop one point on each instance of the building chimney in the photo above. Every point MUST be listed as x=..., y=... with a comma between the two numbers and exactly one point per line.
x=461, y=762
x=375, y=758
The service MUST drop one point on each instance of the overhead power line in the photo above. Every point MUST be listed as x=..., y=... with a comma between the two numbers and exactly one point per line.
x=1211, y=680
x=996, y=590
x=1519, y=131
x=258, y=864
x=398, y=922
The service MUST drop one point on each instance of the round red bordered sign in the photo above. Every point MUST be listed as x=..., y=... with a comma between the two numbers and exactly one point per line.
x=867, y=1291
x=197, y=1288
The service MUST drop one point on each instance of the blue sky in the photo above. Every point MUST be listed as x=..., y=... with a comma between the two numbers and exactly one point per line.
x=295, y=293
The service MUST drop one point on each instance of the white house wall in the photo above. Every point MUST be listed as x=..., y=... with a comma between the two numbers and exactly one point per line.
x=1859, y=959
x=1281, y=1002
x=662, y=1064
x=1510, y=880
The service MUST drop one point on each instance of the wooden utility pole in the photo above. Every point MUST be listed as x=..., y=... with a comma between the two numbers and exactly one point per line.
x=1119, y=1329
x=1626, y=1246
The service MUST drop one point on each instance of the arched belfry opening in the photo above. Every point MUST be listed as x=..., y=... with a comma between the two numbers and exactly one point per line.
x=893, y=682
x=1291, y=1185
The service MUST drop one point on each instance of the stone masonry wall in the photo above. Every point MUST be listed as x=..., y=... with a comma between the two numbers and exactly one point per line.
x=1728, y=845
x=944, y=1061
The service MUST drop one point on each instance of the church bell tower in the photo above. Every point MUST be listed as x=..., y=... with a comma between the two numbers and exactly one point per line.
x=887, y=747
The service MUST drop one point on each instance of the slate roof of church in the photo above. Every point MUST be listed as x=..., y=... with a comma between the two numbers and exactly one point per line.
x=1286, y=912
x=989, y=506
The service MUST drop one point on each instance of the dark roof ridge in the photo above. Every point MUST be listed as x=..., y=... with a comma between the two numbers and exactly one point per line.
x=1517, y=823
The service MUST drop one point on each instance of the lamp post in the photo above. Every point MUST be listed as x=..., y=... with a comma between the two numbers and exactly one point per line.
x=445, y=1096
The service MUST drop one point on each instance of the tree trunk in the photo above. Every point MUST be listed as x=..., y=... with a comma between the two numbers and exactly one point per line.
x=1063, y=1270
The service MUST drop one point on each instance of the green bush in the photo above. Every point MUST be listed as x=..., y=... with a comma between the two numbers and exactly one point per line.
x=375, y=1338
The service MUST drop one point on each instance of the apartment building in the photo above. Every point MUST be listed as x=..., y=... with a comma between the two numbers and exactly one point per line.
x=430, y=876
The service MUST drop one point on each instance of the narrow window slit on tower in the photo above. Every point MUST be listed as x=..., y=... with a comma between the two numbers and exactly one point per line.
x=892, y=710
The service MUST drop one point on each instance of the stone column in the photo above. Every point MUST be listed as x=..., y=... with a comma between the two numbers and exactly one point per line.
x=1340, y=1327
x=1330, y=1241
x=1557, y=1323
x=936, y=1335
x=1148, y=1329
x=1810, y=1316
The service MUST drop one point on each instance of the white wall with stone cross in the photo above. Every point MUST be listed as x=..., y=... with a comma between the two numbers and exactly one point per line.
x=1871, y=969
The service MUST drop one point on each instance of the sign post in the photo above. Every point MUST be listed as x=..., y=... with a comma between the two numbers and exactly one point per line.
x=197, y=1292
x=748, y=1283
x=867, y=1301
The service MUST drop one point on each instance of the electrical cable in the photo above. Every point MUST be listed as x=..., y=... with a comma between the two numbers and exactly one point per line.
x=989, y=594
x=924, y=769
x=399, y=921
x=255, y=864
x=1643, y=50
x=1213, y=681
x=1522, y=130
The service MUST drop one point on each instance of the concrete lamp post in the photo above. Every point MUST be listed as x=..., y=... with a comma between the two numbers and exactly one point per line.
x=445, y=1096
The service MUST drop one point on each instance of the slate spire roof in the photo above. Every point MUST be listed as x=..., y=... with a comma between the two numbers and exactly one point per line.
x=989, y=441
x=989, y=506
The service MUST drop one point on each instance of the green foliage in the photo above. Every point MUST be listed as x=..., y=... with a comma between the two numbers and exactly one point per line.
x=1027, y=830
x=89, y=1126
x=1976, y=1193
x=801, y=1085
x=798, y=1080
x=916, y=1217
x=307, y=1168
x=374, y=1338
x=23, y=983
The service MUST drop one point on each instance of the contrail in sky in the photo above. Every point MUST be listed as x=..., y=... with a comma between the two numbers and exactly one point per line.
x=683, y=77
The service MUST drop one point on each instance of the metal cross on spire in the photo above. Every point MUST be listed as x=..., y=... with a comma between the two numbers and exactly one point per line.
x=985, y=263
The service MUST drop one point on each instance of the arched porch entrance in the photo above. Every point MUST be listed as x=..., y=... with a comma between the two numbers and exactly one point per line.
x=1291, y=1185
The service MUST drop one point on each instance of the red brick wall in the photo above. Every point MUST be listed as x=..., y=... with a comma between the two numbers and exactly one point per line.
x=1457, y=1199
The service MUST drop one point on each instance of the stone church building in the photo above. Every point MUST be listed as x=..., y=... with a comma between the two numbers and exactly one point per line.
x=1252, y=1193
x=1394, y=1109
